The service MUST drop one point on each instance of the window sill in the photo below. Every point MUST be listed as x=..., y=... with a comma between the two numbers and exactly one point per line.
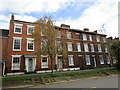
x=30, y=50
x=17, y=33
x=16, y=50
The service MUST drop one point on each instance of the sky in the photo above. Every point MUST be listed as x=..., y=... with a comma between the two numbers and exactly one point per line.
x=101, y=15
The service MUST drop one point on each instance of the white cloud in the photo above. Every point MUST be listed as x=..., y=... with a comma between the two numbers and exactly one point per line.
x=95, y=16
x=4, y=20
x=28, y=6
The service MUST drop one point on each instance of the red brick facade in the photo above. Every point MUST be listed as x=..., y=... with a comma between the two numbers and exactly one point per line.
x=78, y=57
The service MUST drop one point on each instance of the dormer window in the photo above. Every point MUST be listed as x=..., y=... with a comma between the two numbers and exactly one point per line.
x=18, y=29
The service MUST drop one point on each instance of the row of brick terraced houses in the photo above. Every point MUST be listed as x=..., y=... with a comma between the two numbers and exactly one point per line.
x=85, y=50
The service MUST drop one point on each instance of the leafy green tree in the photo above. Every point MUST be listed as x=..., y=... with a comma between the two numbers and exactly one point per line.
x=115, y=49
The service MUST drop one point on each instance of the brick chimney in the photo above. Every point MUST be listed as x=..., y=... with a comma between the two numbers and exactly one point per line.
x=12, y=17
x=95, y=31
x=65, y=26
x=110, y=38
x=116, y=38
x=86, y=29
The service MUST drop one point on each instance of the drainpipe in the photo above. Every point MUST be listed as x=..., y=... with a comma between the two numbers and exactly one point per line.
x=3, y=68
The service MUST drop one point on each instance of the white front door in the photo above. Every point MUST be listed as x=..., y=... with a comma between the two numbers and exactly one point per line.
x=30, y=65
x=60, y=63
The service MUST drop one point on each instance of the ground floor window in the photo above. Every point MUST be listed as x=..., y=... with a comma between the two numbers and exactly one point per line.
x=101, y=59
x=108, y=59
x=44, y=62
x=16, y=62
x=70, y=59
x=87, y=58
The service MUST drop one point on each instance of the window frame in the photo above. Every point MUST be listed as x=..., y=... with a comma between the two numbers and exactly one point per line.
x=69, y=60
x=84, y=37
x=101, y=59
x=30, y=39
x=104, y=39
x=92, y=47
x=69, y=34
x=90, y=38
x=42, y=59
x=108, y=59
x=20, y=38
x=28, y=29
x=15, y=27
x=60, y=44
x=87, y=59
x=98, y=39
x=69, y=46
x=59, y=34
x=99, y=48
x=79, y=47
x=86, y=50
x=13, y=56
x=106, y=48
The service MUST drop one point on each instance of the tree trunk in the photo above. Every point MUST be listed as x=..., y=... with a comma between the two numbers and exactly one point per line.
x=52, y=66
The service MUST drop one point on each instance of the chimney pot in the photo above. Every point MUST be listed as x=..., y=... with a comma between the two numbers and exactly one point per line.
x=65, y=26
x=12, y=17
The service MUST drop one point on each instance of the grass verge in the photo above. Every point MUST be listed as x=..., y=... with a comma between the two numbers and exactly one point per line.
x=81, y=73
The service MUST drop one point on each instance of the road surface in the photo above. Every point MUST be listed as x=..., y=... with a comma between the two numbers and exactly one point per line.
x=102, y=82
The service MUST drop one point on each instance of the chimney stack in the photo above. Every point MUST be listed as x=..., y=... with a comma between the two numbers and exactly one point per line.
x=12, y=17
x=86, y=29
x=65, y=26
x=95, y=31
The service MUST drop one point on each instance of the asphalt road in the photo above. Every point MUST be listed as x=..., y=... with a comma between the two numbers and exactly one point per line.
x=102, y=82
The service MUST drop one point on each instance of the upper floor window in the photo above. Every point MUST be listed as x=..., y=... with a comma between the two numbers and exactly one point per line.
x=84, y=37
x=18, y=29
x=106, y=49
x=104, y=39
x=86, y=48
x=79, y=47
x=17, y=43
x=59, y=45
x=44, y=63
x=71, y=61
x=44, y=45
x=99, y=48
x=30, y=30
x=101, y=59
x=92, y=47
x=98, y=39
x=87, y=58
x=30, y=44
x=43, y=32
x=78, y=35
x=16, y=62
x=90, y=37
x=59, y=34
x=69, y=35
x=69, y=44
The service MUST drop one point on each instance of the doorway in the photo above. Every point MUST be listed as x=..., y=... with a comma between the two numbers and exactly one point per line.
x=60, y=63
x=30, y=65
